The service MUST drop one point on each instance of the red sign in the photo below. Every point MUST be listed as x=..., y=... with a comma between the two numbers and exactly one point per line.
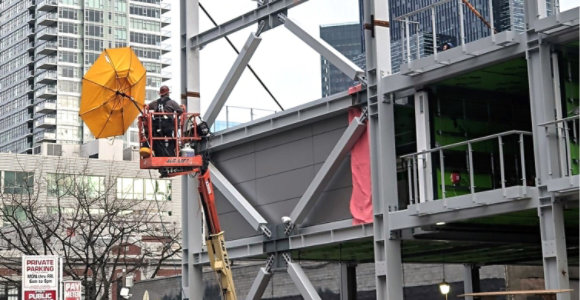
x=72, y=290
x=40, y=295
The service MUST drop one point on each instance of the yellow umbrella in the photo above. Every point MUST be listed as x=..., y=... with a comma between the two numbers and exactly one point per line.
x=113, y=92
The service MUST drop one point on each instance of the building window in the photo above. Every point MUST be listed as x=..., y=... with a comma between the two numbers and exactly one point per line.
x=61, y=185
x=18, y=182
x=144, y=11
x=68, y=13
x=148, y=189
x=94, y=16
x=94, y=30
x=94, y=3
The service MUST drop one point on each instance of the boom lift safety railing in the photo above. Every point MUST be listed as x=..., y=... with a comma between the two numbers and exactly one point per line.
x=414, y=161
x=567, y=131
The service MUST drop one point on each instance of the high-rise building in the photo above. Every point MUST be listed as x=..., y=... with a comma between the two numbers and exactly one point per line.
x=47, y=46
x=346, y=39
x=507, y=15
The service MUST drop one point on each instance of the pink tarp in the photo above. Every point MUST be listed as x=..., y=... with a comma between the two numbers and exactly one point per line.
x=361, y=205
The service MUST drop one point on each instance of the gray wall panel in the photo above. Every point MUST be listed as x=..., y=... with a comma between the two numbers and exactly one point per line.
x=273, y=173
x=283, y=138
x=286, y=157
x=332, y=206
x=283, y=186
x=239, y=169
x=233, y=152
x=330, y=124
x=235, y=226
x=325, y=142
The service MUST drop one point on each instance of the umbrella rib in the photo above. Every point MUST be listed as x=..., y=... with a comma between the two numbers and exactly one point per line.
x=113, y=67
x=107, y=121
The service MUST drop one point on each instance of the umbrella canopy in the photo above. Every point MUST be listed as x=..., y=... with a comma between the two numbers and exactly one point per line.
x=113, y=92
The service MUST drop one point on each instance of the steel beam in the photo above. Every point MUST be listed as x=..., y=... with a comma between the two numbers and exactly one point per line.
x=463, y=208
x=323, y=48
x=301, y=281
x=192, y=279
x=232, y=78
x=288, y=119
x=329, y=233
x=248, y=212
x=270, y=9
x=259, y=285
x=327, y=170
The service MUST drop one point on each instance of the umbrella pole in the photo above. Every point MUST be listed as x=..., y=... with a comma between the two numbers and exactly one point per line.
x=130, y=98
x=138, y=108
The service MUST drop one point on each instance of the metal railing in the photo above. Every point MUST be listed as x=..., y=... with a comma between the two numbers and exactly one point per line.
x=567, y=131
x=418, y=165
x=232, y=116
x=419, y=28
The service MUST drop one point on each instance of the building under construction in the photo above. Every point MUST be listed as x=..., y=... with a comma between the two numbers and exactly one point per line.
x=474, y=155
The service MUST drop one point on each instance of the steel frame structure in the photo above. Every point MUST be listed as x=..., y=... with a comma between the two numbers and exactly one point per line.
x=382, y=89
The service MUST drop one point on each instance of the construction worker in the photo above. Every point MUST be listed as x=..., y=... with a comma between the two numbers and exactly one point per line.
x=163, y=125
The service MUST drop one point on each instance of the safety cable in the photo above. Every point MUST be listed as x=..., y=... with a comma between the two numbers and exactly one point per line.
x=238, y=52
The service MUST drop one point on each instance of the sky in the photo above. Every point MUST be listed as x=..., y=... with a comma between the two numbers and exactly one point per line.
x=289, y=68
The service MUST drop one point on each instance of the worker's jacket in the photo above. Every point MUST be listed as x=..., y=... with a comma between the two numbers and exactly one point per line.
x=164, y=125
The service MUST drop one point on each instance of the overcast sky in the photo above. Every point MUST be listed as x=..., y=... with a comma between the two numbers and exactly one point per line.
x=289, y=68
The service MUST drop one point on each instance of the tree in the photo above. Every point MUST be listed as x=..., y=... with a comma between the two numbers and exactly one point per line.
x=86, y=220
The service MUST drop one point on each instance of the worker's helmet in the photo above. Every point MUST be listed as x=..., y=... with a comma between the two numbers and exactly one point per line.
x=163, y=90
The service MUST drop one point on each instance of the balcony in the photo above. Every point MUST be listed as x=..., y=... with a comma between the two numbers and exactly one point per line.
x=47, y=62
x=46, y=77
x=47, y=19
x=46, y=5
x=165, y=7
x=45, y=136
x=47, y=48
x=165, y=35
x=165, y=75
x=45, y=107
x=46, y=92
x=165, y=48
x=47, y=33
x=478, y=169
x=46, y=121
x=165, y=62
x=165, y=21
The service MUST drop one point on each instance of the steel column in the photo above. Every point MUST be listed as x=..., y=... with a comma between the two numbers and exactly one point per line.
x=423, y=134
x=387, y=243
x=191, y=217
x=232, y=78
x=467, y=282
x=250, y=214
x=554, y=254
x=323, y=48
x=542, y=107
x=347, y=281
x=302, y=282
x=326, y=171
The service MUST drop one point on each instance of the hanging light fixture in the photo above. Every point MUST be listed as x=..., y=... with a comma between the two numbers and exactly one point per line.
x=444, y=287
